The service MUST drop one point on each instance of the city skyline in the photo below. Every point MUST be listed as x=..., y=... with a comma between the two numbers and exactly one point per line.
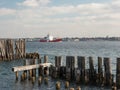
x=61, y=18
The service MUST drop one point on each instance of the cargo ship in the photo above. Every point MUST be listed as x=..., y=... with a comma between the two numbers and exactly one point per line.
x=50, y=38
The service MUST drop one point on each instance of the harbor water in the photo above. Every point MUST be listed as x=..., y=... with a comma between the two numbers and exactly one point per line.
x=109, y=49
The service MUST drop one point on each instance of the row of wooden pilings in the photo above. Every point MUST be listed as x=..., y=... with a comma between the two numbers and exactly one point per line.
x=12, y=49
x=101, y=77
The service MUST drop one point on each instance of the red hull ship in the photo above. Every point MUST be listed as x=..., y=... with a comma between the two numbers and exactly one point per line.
x=50, y=39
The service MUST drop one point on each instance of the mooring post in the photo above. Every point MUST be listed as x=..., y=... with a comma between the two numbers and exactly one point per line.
x=68, y=74
x=46, y=71
x=81, y=67
x=25, y=74
x=77, y=76
x=57, y=61
x=16, y=73
x=78, y=88
x=108, y=75
x=100, y=71
x=62, y=72
x=41, y=71
x=118, y=73
x=67, y=84
x=45, y=59
x=39, y=80
x=58, y=85
x=70, y=63
x=34, y=70
x=91, y=71
x=30, y=74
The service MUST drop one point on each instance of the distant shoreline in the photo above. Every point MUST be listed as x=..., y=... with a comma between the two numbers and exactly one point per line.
x=72, y=39
x=79, y=39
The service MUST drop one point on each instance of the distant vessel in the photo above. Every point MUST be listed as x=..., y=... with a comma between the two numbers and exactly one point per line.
x=50, y=38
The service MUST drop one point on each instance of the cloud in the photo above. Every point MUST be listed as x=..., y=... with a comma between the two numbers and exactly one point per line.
x=34, y=3
x=93, y=17
x=7, y=11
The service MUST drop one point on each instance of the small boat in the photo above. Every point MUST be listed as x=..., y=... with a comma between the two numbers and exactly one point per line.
x=50, y=38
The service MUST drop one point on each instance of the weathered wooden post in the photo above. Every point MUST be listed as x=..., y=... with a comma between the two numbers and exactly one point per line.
x=58, y=86
x=39, y=80
x=70, y=64
x=16, y=73
x=118, y=73
x=46, y=80
x=81, y=67
x=66, y=84
x=30, y=74
x=34, y=70
x=78, y=76
x=114, y=86
x=46, y=71
x=41, y=71
x=78, y=88
x=55, y=72
x=39, y=61
x=25, y=74
x=68, y=74
x=63, y=72
x=108, y=75
x=57, y=61
x=33, y=80
x=100, y=71
x=91, y=71
x=45, y=59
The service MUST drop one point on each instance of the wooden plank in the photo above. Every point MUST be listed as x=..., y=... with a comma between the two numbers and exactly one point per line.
x=29, y=67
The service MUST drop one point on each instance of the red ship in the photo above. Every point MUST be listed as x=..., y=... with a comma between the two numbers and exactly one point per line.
x=50, y=38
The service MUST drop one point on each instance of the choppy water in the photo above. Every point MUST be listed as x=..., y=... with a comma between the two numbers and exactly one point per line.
x=83, y=48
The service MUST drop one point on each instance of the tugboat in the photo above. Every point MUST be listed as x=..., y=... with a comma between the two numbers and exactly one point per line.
x=50, y=38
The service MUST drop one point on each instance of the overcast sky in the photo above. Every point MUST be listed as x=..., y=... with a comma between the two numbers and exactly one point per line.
x=61, y=18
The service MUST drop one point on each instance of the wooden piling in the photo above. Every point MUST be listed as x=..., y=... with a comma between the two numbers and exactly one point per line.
x=58, y=86
x=100, y=71
x=33, y=80
x=118, y=73
x=46, y=71
x=81, y=67
x=108, y=75
x=70, y=63
x=46, y=80
x=68, y=74
x=67, y=84
x=91, y=71
x=39, y=80
x=78, y=88
x=25, y=74
x=77, y=76
x=16, y=73
x=45, y=59
x=57, y=61
x=63, y=72
x=30, y=74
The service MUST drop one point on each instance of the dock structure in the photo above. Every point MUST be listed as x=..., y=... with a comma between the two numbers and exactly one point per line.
x=12, y=49
x=100, y=76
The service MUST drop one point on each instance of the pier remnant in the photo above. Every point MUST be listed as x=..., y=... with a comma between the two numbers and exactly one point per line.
x=108, y=72
x=118, y=73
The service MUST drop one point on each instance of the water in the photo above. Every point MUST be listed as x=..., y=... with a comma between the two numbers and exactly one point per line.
x=83, y=48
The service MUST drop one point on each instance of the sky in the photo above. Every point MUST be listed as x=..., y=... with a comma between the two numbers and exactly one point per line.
x=60, y=18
